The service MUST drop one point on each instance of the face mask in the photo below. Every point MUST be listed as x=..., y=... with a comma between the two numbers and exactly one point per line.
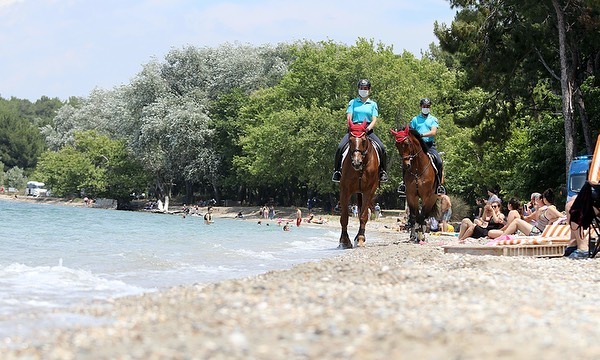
x=425, y=111
x=363, y=93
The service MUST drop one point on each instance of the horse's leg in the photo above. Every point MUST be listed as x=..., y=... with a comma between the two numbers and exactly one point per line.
x=413, y=206
x=359, y=240
x=344, y=238
x=427, y=210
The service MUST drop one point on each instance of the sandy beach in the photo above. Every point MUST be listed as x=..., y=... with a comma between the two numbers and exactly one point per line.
x=388, y=300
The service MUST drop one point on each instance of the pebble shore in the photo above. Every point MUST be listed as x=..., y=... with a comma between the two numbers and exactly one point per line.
x=388, y=300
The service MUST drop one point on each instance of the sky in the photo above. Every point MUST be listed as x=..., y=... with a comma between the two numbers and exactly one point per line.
x=63, y=48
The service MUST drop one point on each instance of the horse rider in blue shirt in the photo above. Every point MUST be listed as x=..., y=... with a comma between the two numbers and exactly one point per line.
x=360, y=109
x=427, y=125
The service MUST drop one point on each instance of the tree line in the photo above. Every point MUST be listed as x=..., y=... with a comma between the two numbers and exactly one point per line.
x=254, y=123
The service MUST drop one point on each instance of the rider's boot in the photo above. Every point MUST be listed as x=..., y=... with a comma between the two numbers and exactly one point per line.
x=402, y=187
x=383, y=177
x=441, y=190
x=337, y=174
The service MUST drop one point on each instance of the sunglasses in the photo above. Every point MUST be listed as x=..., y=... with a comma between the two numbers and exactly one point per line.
x=494, y=206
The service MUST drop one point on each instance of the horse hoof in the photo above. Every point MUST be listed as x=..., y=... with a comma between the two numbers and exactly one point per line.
x=343, y=246
x=360, y=242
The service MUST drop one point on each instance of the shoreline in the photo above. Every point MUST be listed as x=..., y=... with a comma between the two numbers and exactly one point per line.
x=390, y=299
x=387, y=300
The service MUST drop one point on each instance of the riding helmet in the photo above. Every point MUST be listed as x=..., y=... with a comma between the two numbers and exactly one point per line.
x=425, y=101
x=364, y=82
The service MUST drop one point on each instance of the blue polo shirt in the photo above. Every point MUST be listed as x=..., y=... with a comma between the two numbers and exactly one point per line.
x=362, y=110
x=424, y=124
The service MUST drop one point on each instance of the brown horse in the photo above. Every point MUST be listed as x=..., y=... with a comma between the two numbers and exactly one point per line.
x=419, y=178
x=360, y=175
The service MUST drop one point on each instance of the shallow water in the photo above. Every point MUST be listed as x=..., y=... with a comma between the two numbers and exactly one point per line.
x=54, y=256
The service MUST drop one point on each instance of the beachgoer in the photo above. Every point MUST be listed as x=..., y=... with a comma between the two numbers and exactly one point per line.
x=514, y=212
x=581, y=211
x=493, y=195
x=446, y=210
x=546, y=216
x=208, y=216
x=362, y=109
x=492, y=218
x=298, y=216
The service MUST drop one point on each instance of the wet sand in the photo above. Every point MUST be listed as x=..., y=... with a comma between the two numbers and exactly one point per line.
x=388, y=300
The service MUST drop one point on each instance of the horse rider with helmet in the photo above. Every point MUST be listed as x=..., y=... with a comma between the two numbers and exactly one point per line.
x=360, y=109
x=427, y=125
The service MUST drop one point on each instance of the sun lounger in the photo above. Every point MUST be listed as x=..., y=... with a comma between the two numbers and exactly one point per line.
x=551, y=243
x=553, y=233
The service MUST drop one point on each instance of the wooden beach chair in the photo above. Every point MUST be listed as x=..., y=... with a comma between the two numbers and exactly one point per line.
x=551, y=243
x=553, y=233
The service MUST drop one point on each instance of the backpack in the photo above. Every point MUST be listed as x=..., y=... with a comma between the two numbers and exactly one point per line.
x=433, y=224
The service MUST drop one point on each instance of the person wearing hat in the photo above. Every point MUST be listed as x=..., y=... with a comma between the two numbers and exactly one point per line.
x=427, y=125
x=360, y=109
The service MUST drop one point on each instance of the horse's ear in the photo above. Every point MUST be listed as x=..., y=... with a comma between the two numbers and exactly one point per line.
x=349, y=123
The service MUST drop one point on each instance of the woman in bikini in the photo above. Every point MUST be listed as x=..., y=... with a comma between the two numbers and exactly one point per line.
x=546, y=215
x=492, y=218
x=514, y=212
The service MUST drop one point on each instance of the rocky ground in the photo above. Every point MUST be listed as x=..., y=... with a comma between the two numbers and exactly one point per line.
x=388, y=300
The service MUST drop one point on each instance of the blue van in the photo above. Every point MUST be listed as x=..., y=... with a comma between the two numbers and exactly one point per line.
x=578, y=174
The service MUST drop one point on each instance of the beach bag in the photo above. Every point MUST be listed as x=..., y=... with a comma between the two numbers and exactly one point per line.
x=433, y=224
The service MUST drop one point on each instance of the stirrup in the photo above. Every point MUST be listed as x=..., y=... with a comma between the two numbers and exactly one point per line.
x=441, y=190
x=337, y=176
x=383, y=176
x=402, y=188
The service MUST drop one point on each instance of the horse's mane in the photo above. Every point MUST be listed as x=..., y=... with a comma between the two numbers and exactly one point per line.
x=417, y=135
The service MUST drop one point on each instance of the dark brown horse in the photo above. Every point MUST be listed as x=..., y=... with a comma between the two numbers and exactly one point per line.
x=360, y=175
x=419, y=178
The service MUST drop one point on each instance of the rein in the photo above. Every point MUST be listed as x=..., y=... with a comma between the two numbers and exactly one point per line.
x=411, y=156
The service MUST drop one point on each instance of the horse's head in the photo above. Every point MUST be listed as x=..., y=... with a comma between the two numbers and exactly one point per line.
x=359, y=144
x=404, y=144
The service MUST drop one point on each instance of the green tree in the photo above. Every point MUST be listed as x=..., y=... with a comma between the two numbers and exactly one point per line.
x=20, y=141
x=555, y=43
x=15, y=177
x=94, y=165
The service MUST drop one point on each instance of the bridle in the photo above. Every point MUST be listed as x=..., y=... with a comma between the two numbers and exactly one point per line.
x=403, y=136
x=358, y=139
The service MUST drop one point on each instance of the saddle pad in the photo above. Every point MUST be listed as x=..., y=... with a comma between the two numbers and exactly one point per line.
x=432, y=161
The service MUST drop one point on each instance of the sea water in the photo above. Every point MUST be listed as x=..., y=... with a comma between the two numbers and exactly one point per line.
x=53, y=256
